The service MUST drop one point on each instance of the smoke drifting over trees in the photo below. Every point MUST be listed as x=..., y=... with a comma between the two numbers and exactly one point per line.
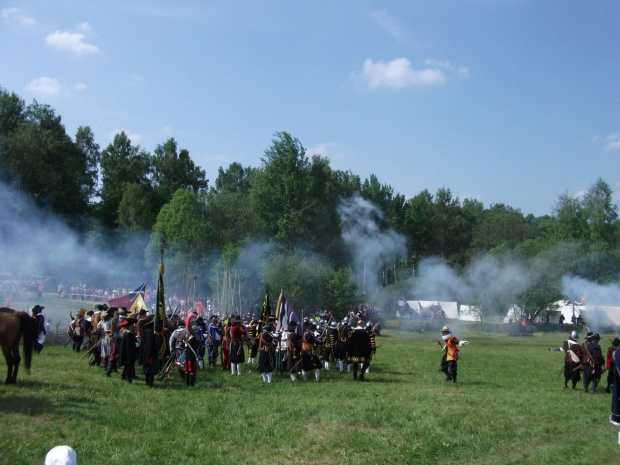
x=323, y=236
x=36, y=244
x=373, y=249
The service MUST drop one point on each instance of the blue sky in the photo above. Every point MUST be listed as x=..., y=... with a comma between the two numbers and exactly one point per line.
x=511, y=101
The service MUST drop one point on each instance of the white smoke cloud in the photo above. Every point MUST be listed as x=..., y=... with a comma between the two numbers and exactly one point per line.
x=485, y=281
x=36, y=243
x=577, y=288
x=372, y=247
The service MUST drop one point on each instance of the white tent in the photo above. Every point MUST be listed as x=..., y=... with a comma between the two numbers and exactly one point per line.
x=424, y=307
x=469, y=313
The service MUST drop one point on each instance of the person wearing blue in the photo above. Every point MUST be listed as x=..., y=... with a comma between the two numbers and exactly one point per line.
x=614, y=418
x=214, y=339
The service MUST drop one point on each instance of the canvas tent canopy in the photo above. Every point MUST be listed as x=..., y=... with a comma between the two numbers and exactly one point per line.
x=427, y=309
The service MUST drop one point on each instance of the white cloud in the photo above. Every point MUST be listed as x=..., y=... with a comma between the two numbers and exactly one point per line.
x=44, y=86
x=84, y=27
x=397, y=73
x=387, y=22
x=72, y=41
x=48, y=86
x=460, y=71
x=330, y=150
x=613, y=141
x=13, y=14
x=133, y=137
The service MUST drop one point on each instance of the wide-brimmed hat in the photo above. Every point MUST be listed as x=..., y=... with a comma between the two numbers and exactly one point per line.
x=235, y=319
x=127, y=322
x=37, y=309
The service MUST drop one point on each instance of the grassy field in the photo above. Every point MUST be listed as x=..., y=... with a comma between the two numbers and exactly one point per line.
x=508, y=407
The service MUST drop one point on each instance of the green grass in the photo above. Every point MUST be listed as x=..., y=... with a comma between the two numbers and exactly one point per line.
x=507, y=408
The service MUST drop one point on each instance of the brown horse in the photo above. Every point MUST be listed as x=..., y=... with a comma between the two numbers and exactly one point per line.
x=13, y=325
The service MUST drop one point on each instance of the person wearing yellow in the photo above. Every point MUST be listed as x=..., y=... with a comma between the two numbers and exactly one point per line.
x=451, y=353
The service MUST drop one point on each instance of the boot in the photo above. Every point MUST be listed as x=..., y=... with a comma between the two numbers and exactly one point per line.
x=293, y=376
x=108, y=369
x=305, y=375
x=317, y=375
x=192, y=380
x=269, y=376
x=454, y=378
x=239, y=368
x=355, y=372
x=233, y=367
x=187, y=378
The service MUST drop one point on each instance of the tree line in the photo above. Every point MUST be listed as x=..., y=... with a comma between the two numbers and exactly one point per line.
x=278, y=225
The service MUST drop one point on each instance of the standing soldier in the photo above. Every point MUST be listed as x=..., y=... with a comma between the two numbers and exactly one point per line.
x=609, y=362
x=127, y=349
x=358, y=349
x=309, y=348
x=39, y=323
x=192, y=344
x=340, y=349
x=593, y=362
x=148, y=352
x=268, y=340
x=293, y=358
x=572, y=359
x=237, y=354
x=614, y=418
x=331, y=338
x=214, y=340
x=110, y=327
x=451, y=353
x=373, y=343
x=254, y=332
x=77, y=330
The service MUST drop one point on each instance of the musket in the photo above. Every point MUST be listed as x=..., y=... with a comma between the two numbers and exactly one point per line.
x=97, y=344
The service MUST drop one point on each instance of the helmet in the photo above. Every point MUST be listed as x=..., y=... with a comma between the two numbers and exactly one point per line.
x=445, y=329
x=574, y=335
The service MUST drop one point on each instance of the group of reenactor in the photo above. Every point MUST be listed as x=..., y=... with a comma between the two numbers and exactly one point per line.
x=588, y=359
x=116, y=339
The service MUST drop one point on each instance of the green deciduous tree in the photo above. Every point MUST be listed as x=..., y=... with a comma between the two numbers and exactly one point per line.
x=121, y=163
x=287, y=191
x=42, y=160
x=85, y=142
x=601, y=215
x=173, y=170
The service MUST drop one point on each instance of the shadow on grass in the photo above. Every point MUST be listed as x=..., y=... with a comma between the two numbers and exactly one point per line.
x=14, y=403
x=14, y=399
